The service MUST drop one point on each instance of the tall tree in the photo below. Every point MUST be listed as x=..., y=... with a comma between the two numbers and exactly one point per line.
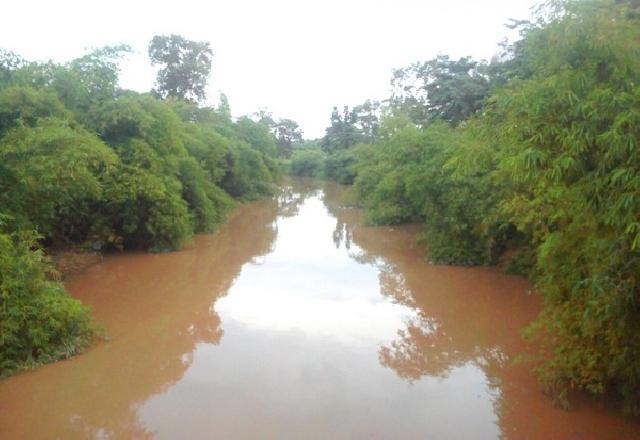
x=441, y=88
x=185, y=66
x=223, y=106
x=287, y=133
x=366, y=118
x=359, y=124
x=9, y=63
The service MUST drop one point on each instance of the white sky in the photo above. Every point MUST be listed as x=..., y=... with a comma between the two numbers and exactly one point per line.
x=296, y=58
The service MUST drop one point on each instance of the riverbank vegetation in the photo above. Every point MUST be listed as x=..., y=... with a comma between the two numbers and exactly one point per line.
x=530, y=160
x=84, y=163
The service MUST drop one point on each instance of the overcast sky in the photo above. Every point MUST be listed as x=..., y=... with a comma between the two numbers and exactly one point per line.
x=295, y=58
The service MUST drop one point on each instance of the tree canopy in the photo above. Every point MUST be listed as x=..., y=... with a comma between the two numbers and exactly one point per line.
x=441, y=88
x=185, y=66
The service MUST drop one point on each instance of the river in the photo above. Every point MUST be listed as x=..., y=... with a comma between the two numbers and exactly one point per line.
x=295, y=321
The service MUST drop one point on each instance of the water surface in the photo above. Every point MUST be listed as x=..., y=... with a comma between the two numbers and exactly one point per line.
x=295, y=321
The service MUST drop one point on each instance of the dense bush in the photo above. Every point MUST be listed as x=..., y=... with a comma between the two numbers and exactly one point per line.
x=339, y=166
x=308, y=162
x=548, y=169
x=208, y=203
x=54, y=175
x=145, y=173
x=25, y=105
x=568, y=149
x=39, y=322
x=408, y=176
x=85, y=163
x=247, y=175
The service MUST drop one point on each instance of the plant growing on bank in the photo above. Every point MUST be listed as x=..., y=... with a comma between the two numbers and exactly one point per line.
x=340, y=165
x=309, y=163
x=545, y=164
x=85, y=163
x=568, y=147
x=39, y=321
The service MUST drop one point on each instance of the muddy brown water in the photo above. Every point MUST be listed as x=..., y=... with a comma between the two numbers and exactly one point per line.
x=295, y=321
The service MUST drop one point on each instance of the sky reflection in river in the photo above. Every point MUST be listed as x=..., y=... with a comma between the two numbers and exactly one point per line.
x=290, y=290
x=295, y=321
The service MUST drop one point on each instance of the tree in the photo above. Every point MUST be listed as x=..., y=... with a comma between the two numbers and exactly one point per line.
x=223, y=106
x=287, y=133
x=86, y=164
x=441, y=88
x=186, y=66
x=366, y=118
x=265, y=117
x=357, y=125
x=337, y=134
x=256, y=134
x=9, y=63
x=86, y=83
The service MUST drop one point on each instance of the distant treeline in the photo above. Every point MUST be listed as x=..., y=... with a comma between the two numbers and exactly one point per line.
x=84, y=163
x=531, y=160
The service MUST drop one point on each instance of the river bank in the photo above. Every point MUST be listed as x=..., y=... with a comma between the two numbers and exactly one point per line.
x=295, y=320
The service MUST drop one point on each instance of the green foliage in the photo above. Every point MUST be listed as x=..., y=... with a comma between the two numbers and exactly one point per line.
x=207, y=202
x=287, y=134
x=308, y=162
x=359, y=124
x=568, y=139
x=186, y=66
x=55, y=177
x=410, y=174
x=23, y=105
x=340, y=166
x=85, y=163
x=145, y=210
x=441, y=88
x=260, y=138
x=208, y=147
x=89, y=81
x=39, y=322
x=548, y=171
x=10, y=62
x=247, y=175
x=257, y=135
x=381, y=181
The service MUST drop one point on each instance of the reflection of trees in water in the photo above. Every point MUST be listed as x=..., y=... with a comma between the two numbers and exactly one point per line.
x=407, y=358
x=204, y=276
x=461, y=312
x=290, y=197
x=447, y=332
x=346, y=218
x=162, y=309
x=342, y=233
x=438, y=340
x=424, y=349
x=392, y=280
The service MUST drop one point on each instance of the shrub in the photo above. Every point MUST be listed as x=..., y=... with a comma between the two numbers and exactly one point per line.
x=339, y=166
x=39, y=322
x=309, y=163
